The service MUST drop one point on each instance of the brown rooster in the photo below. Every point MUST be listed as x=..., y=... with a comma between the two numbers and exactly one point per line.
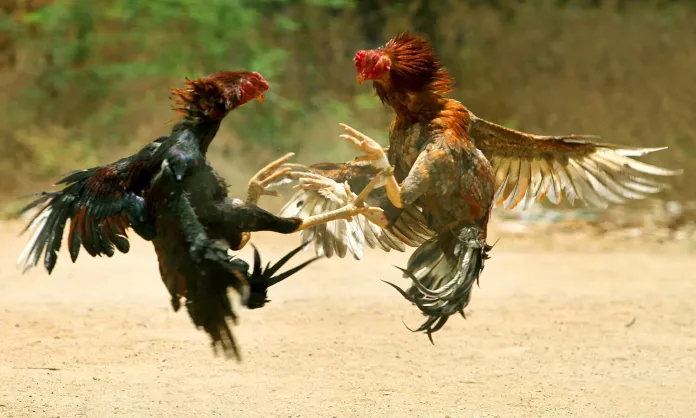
x=444, y=171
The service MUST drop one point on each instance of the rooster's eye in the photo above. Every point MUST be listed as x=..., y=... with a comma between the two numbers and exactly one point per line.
x=374, y=60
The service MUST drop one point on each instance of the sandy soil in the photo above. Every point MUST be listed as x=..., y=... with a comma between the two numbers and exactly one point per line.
x=550, y=333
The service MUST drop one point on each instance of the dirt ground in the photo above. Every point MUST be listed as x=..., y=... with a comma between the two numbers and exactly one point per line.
x=551, y=332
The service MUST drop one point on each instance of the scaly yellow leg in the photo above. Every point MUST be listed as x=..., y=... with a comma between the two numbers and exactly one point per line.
x=357, y=207
x=264, y=177
x=374, y=152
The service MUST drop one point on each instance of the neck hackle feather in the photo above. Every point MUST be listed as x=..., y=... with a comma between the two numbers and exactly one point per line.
x=414, y=65
x=208, y=98
x=417, y=85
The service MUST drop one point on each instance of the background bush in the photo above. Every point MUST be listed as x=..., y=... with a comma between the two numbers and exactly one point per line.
x=86, y=81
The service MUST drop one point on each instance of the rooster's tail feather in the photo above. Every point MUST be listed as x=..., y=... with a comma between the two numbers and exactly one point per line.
x=443, y=271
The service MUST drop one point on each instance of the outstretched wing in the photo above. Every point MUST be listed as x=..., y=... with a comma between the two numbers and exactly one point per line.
x=530, y=167
x=100, y=204
x=408, y=226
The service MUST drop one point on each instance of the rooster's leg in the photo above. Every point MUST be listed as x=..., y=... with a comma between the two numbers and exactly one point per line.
x=375, y=153
x=266, y=176
x=259, y=182
x=346, y=212
x=352, y=208
x=246, y=236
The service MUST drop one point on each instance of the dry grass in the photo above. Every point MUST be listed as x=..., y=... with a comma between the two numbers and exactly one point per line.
x=626, y=75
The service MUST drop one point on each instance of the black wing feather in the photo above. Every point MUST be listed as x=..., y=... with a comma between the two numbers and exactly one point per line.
x=92, y=200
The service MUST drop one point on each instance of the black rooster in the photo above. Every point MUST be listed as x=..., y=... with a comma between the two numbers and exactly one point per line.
x=169, y=194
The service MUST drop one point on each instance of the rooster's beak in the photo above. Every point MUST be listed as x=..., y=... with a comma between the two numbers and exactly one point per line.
x=261, y=97
x=361, y=78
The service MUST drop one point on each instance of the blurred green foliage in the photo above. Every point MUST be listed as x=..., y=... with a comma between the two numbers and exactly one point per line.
x=86, y=80
x=88, y=49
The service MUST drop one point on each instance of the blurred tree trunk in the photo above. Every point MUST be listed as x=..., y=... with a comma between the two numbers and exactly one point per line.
x=425, y=21
x=372, y=15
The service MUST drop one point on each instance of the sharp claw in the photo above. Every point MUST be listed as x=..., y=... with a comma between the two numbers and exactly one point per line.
x=355, y=132
x=275, y=176
x=272, y=167
x=301, y=176
x=267, y=175
x=296, y=166
x=246, y=236
x=351, y=130
x=374, y=209
x=354, y=141
x=311, y=185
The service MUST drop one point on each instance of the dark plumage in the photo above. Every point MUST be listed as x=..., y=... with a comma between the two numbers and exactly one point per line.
x=170, y=195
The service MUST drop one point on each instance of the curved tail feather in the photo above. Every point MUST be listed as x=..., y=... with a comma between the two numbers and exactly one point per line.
x=261, y=279
x=444, y=270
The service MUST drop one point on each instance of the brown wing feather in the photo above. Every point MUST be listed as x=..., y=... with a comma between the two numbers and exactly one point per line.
x=530, y=167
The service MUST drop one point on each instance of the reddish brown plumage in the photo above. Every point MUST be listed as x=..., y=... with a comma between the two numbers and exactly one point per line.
x=106, y=182
x=444, y=159
x=408, y=76
x=407, y=63
x=439, y=170
x=414, y=65
x=213, y=96
x=455, y=117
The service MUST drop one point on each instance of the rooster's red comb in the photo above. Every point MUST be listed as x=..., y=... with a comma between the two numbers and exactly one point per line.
x=359, y=59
